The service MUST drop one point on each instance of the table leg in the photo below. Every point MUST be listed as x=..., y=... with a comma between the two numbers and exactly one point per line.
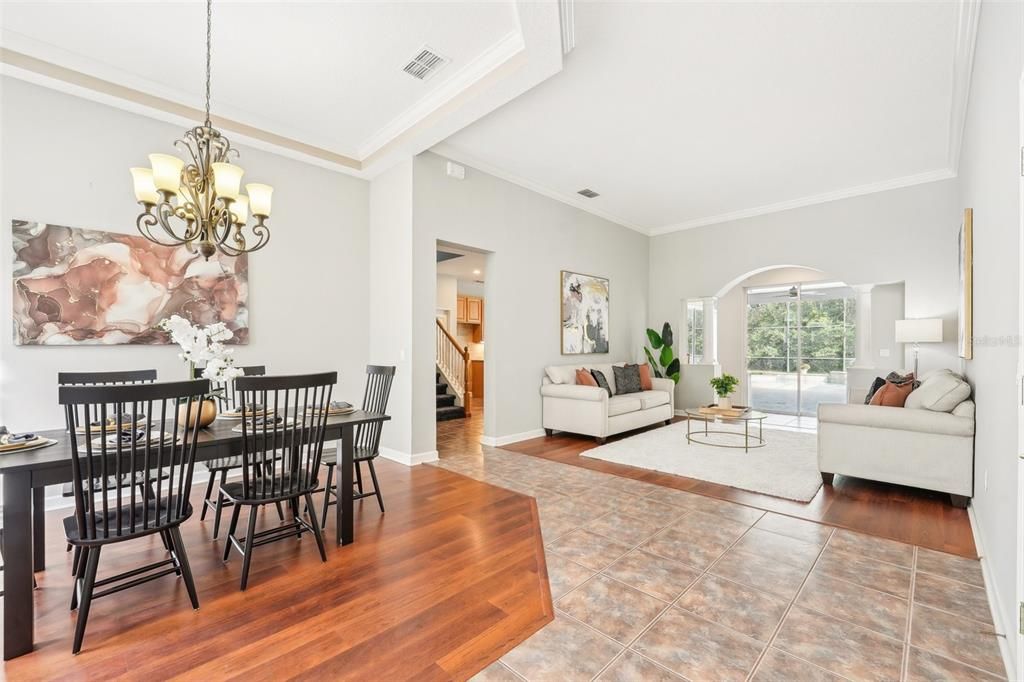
x=39, y=529
x=19, y=614
x=746, y=436
x=344, y=521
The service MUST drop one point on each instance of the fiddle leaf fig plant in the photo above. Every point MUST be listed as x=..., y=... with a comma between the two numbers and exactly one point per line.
x=666, y=364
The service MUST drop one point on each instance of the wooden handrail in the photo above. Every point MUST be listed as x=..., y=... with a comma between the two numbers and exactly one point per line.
x=455, y=374
x=454, y=341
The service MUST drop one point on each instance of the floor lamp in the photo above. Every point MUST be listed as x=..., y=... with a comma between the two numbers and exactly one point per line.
x=918, y=332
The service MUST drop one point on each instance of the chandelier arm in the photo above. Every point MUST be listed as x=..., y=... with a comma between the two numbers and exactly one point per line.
x=165, y=210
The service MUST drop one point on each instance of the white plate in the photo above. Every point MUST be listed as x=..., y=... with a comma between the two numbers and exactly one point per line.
x=35, y=446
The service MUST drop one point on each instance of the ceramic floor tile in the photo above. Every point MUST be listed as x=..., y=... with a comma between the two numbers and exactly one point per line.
x=760, y=572
x=630, y=485
x=730, y=510
x=878, y=611
x=840, y=647
x=677, y=498
x=679, y=545
x=949, y=595
x=956, y=637
x=779, y=548
x=611, y=607
x=711, y=526
x=889, y=551
x=624, y=528
x=565, y=575
x=698, y=649
x=808, y=531
x=662, y=578
x=924, y=666
x=632, y=667
x=949, y=566
x=659, y=512
x=496, y=672
x=605, y=501
x=589, y=549
x=741, y=608
x=562, y=650
x=777, y=666
x=554, y=526
x=864, y=571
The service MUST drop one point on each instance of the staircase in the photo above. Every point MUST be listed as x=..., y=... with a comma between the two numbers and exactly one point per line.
x=453, y=376
x=446, y=407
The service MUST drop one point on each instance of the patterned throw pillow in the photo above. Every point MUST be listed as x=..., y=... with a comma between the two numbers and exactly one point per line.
x=601, y=381
x=627, y=379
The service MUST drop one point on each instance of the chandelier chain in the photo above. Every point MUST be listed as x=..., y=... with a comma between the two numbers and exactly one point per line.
x=209, y=49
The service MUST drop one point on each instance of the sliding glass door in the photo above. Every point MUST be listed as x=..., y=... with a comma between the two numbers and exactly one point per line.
x=800, y=340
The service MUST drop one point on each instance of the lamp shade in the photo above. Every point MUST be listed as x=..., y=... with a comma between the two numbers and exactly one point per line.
x=227, y=178
x=259, y=199
x=918, y=331
x=240, y=209
x=166, y=171
x=145, y=189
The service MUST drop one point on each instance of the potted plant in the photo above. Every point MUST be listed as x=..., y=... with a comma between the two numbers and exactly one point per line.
x=724, y=385
x=203, y=344
x=666, y=364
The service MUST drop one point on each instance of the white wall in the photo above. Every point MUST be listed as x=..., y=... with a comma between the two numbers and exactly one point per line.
x=531, y=239
x=65, y=160
x=989, y=176
x=447, y=297
x=904, y=235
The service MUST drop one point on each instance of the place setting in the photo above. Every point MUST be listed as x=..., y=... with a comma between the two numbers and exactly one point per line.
x=20, y=442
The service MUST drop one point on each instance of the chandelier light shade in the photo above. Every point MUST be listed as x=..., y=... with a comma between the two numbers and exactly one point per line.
x=197, y=201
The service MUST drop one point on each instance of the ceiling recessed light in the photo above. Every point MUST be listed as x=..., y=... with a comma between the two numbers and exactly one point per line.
x=588, y=193
x=476, y=272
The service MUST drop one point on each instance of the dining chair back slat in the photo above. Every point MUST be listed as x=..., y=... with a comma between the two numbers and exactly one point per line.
x=375, y=399
x=114, y=378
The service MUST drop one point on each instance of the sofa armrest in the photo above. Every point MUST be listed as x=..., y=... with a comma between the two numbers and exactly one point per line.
x=668, y=386
x=590, y=393
x=897, y=418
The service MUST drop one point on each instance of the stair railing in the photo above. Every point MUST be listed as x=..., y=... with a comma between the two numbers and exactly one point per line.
x=454, y=364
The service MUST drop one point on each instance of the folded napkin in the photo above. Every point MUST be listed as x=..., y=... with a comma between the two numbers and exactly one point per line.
x=250, y=410
x=336, y=407
x=138, y=436
x=122, y=420
x=270, y=422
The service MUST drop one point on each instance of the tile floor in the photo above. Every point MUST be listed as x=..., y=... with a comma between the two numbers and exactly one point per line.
x=651, y=583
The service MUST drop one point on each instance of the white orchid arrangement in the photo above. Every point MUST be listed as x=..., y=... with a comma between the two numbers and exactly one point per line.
x=203, y=344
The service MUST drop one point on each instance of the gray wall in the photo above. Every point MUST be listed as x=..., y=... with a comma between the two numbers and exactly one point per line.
x=531, y=239
x=65, y=160
x=989, y=175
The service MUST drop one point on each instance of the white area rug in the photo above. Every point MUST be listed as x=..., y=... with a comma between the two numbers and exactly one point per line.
x=786, y=467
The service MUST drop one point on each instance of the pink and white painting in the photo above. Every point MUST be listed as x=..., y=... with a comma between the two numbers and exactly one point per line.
x=74, y=286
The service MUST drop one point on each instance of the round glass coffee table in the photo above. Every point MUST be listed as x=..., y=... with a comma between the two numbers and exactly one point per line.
x=703, y=436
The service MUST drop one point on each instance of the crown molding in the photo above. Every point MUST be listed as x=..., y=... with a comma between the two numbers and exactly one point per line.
x=496, y=56
x=963, y=66
x=847, y=193
x=449, y=152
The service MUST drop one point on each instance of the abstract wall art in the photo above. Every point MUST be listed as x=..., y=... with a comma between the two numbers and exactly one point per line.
x=584, y=314
x=75, y=286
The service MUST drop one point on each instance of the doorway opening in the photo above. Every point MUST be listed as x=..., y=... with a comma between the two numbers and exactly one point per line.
x=460, y=335
x=801, y=338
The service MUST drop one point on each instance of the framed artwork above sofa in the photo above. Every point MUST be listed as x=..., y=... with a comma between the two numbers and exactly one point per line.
x=584, y=307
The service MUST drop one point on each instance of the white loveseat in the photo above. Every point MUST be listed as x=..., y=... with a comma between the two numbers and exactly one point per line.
x=590, y=411
x=928, y=444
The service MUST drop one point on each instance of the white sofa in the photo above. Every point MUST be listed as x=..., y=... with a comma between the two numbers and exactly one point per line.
x=928, y=444
x=589, y=410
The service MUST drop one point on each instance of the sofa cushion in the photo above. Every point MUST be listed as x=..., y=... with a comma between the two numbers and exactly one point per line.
x=649, y=399
x=585, y=378
x=561, y=374
x=627, y=379
x=622, y=404
x=875, y=385
x=941, y=391
x=892, y=394
x=645, y=378
x=601, y=380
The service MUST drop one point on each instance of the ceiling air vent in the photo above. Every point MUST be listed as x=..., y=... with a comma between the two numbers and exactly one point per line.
x=425, y=64
x=588, y=193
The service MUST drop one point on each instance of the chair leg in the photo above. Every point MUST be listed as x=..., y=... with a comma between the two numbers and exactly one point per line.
x=184, y=568
x=235, y=511
x=206, y=497
x=376, y=485
x=294, y=504
x=316, y=530
x=247, y=554
x=219, y=507
x=92, y=562
x=80, y=554
x=327, y=494
x=359, y=477
x=76, y=559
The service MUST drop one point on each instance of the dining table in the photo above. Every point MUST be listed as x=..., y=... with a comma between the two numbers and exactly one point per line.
x=26, y=474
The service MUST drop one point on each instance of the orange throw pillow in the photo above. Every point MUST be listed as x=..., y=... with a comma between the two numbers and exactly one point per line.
x=892, y=395
x=585, y=378
x=645, y=378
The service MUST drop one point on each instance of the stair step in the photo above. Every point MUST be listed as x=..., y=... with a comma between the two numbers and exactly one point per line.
x=441, y=389
x=452, y=412
x=445, y=400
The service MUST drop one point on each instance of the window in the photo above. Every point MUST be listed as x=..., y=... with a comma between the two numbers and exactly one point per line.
x=694, y=332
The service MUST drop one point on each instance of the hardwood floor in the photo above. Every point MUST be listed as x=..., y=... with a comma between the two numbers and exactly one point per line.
x=449, y=579
x=908, y=515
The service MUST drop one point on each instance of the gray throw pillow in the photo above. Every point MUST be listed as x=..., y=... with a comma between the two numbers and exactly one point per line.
x=601, y=381
x=627, y=379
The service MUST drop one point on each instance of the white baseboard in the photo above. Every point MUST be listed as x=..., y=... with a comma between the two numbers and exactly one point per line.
x=498, y=441
x=995, y=601
x=408, y=459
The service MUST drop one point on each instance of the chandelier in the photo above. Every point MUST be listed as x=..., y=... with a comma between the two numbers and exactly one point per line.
x=198, y=203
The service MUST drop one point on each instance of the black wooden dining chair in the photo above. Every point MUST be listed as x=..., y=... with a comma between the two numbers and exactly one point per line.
x=82, y=415
x=229, y=400
x=159, y=456
x=367, y=439
x=289, y=443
